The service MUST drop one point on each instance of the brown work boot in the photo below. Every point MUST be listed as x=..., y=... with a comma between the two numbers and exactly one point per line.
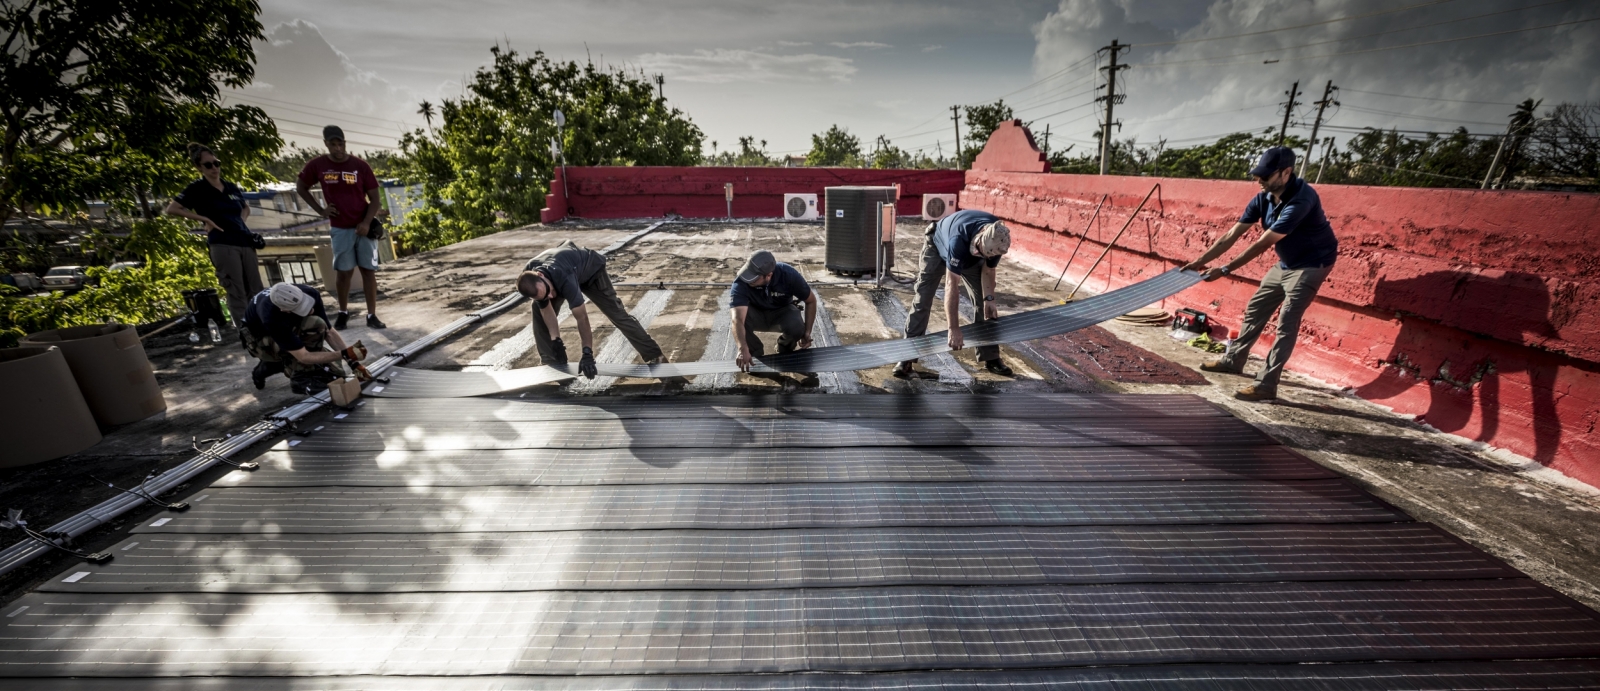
x=1221, y=366
x=905, y=370
x=1256, y=392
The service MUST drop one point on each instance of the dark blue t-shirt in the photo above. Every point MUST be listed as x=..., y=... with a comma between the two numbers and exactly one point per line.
x=263, y=318
x=953, y=238
x=1308, y=238
x=786, y=286
x=225, y=207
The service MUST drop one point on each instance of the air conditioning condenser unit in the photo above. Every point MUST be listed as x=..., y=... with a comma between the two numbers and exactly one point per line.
x=937, y=206
x=800, y=207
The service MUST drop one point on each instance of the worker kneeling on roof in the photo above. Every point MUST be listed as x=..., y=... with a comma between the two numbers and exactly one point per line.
x=570, y=273
x=1291, y=214
x=286, y=328
x=962, y=248
x=766, y=297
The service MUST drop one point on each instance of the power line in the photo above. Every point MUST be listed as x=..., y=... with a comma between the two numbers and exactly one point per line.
x=317, y=136
x=303, y=112
x=1297, y=26
x=1429, y=98
x=1201, y=115
x=281, y=103
x=1371, y=50
x=1375, y=111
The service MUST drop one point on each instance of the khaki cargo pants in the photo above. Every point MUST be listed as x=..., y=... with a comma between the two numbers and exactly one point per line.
x=311, y=331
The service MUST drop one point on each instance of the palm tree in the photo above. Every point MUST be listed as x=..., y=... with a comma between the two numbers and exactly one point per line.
x=426, y=111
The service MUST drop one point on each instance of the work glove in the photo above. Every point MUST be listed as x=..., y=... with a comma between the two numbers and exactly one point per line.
x=559, y=350
x=586, y=365
x=353, y=356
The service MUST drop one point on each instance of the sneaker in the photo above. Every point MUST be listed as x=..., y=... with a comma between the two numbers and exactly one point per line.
x=1220, y=366
x=374, y=323
x=258, y=376
x=1256, y=392
x=996, y=366
x=341, y=320
x=905, y=370
x=809, y=380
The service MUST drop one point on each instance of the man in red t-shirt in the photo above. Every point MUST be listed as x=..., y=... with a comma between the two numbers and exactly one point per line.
x=351, y=192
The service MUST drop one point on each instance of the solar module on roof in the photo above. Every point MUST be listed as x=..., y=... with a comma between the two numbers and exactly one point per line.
x=1025, y=326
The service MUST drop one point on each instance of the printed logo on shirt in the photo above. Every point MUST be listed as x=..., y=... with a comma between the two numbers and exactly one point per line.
x=334, y=177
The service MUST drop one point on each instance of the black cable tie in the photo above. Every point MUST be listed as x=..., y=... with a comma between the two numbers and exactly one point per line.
x=215, y=456
x=143, y=494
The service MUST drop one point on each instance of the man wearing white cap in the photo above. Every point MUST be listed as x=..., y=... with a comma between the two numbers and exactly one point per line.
x=285, y=328
x=962, y=248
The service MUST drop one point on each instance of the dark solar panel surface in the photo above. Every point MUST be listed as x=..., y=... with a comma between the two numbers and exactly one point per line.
x=767, y=465
x=1092, y=543
x=1548, y=675
x=834, y=434
x=783, y=558
x=746, y=507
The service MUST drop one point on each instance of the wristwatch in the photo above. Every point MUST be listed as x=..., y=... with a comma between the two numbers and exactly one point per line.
x=988, y=298
x=1224, y=269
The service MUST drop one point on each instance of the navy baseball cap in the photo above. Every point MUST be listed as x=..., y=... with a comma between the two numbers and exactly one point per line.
x=332, y=132
x=1273, y=160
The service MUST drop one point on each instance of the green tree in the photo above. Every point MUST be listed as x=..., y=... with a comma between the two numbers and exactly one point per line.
x=487, y=164
x=101, y=96
x=751, y=153
x=886, y=155
x=982, y=121
x=834, y=148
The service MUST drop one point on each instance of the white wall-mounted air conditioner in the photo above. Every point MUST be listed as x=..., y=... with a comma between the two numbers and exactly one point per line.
x=800, y=207
x=937, y=206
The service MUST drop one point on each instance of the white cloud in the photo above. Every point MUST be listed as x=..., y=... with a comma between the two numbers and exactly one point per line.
x=930, y=49
x=301, y=78
x=1192, y=100
x=725, y=66
x=794, y=44
x=873, y=45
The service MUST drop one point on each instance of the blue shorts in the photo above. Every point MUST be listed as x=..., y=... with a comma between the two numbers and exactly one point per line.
x=352, y=249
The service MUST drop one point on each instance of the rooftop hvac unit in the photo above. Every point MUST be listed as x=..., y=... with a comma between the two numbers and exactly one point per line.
x=937, y=206
x=800, y=207
x=851, y=227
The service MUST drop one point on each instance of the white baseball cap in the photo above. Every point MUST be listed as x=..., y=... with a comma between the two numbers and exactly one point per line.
x=993, y=240
x=290, y=298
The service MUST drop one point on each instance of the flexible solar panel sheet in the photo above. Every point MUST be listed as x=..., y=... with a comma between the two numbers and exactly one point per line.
x=769, y=465
x=1552, y=675
x=728, y=434
x=1025, y=326
x=787, y=558
x=794, y=630
x=816, y=542
x=750, y=507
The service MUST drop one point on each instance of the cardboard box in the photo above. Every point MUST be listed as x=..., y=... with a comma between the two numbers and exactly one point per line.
x=344, y=392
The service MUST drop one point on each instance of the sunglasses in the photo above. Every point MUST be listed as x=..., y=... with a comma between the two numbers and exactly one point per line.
x=208, y=165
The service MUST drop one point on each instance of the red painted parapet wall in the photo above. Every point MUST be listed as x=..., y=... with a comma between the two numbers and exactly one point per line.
x=1474, y=310
x=650, y=191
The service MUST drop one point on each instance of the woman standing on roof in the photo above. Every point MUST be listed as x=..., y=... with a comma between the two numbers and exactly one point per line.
x=220, y=206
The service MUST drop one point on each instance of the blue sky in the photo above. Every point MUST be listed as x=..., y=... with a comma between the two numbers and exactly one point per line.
x=781, y=72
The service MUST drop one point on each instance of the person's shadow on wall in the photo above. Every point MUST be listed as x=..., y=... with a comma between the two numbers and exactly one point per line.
x=1460, y=377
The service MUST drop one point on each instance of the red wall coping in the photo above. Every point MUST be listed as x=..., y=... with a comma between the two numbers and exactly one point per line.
x=1470, y=309
x=696, y=192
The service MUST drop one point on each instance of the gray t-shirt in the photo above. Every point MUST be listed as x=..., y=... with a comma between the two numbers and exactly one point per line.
x=568, y=267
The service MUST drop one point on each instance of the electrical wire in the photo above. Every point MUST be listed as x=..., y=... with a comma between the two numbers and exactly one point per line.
x=247, y=96
x=1425, y=98
x=1297, y=26
x=1408, y=116
x=1366, y=50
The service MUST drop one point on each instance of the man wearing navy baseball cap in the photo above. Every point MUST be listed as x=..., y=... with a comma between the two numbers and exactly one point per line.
x=1291, y=215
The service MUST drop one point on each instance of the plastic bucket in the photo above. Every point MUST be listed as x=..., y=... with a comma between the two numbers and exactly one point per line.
x=111, y=369
x=42, y=413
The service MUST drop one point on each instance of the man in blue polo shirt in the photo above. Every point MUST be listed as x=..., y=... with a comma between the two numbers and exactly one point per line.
x=1291, y=214
x=764, y=299
x=962, y=248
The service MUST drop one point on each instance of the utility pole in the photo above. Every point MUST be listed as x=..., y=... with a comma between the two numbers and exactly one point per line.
x=1112, y=98
x=955, y=117
x=1047, y=139
x=1327, y=148
x=1322, y=105
x=661, y=86
x=1288, y=108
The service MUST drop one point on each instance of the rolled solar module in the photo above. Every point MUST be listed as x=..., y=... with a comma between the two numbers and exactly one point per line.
x=1025, y=326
